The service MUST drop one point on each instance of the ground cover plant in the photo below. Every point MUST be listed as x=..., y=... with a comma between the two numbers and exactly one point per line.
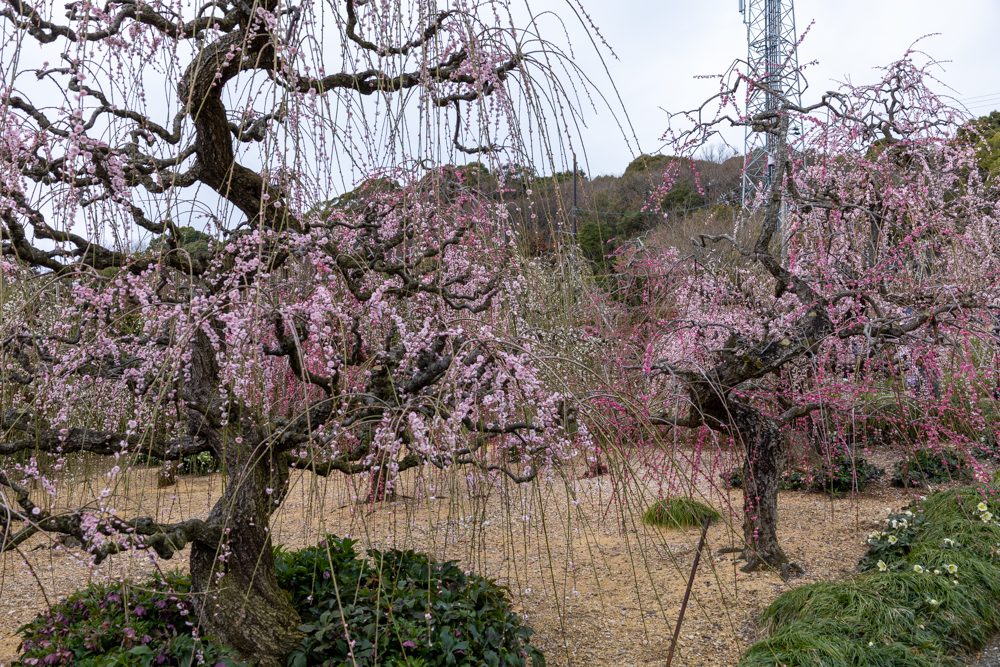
x=392, y=608
x=843, y=474
x=928, y=593
x=123, y=625
x=398, y=608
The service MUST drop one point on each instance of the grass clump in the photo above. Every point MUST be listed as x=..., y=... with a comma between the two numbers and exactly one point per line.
x=678, y=513
x=925, y=597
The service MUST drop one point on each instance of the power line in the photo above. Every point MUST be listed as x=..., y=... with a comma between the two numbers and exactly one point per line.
x=663, y=213
x=979, y=97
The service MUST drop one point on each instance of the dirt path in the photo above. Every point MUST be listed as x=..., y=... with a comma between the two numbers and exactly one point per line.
x=599, y=587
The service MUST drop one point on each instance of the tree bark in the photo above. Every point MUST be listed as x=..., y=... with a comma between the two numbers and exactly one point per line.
x=761, y=438
x=238, y=596
x=236, y=592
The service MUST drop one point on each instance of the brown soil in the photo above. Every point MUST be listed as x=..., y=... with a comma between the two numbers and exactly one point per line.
x=598, y=586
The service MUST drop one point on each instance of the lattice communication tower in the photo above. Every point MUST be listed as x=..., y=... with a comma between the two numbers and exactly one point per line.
x=771, y=54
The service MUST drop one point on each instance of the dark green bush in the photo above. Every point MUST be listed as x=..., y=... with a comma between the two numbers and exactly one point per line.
x=394, y=609
x=122, y=625
x=732, y=478
x=399, y=608
x=841, y=475
x=203, y=463
x=926, y=466
x=988, y=448
x=678, y=513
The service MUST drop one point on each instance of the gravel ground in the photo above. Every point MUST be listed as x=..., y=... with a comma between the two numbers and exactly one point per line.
x=990, y=657
x=599, y=587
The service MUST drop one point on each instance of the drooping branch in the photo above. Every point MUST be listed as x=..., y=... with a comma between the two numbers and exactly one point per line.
x=39, y=436
x=27, y=18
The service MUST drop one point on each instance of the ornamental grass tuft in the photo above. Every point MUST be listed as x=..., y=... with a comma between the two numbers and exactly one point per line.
x=928, y=593
x=678, y=513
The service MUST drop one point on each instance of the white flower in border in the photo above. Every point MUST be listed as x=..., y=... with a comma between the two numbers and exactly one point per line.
x=892, y=539
x=948, y=542
x=918, y=569
x=882, y=567
x=982, y=507
x=952, y=568
x=932, y=602
x=986, y=517
x=937, y=571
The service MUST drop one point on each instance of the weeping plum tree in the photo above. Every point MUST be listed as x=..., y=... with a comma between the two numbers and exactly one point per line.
x=876, y=240
x=359, y=335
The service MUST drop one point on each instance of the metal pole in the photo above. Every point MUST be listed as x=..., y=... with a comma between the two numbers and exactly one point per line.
x=574, y=196
x=687, y=593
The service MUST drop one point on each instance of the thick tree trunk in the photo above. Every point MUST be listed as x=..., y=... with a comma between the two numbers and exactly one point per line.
x=239, y=598
x=761, y=438
x=236, y=591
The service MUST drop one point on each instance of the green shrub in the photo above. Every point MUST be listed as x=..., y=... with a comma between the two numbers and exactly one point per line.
x=927, y=599
x=926, y=466
x=399, y=608
x=893, y=543
x=732, y=478
x=121, y=625
x=988, y=448
x=841, y=475
x=203, y=463
x=678, y=513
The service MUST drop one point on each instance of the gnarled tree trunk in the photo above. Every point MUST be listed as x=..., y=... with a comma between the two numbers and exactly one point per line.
x=762, y=440
x=236, y=591
x=238, y=594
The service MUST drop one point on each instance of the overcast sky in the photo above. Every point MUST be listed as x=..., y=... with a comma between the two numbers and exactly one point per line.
x=662, y=44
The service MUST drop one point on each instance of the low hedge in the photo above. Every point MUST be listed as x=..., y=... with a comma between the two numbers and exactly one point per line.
x=842, y=474
x=928, y=592
x=382, y=609
x=398, y=609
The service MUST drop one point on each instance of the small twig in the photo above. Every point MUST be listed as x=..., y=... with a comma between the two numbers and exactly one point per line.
x=687, y=593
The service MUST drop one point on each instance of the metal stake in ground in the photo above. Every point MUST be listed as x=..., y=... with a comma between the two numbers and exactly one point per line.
x=687, y=593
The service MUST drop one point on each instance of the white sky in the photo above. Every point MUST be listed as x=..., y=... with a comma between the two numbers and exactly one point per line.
x=663, y=44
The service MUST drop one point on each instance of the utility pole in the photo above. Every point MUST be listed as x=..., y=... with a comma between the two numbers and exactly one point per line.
x=574, y=197
x=772, y=59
